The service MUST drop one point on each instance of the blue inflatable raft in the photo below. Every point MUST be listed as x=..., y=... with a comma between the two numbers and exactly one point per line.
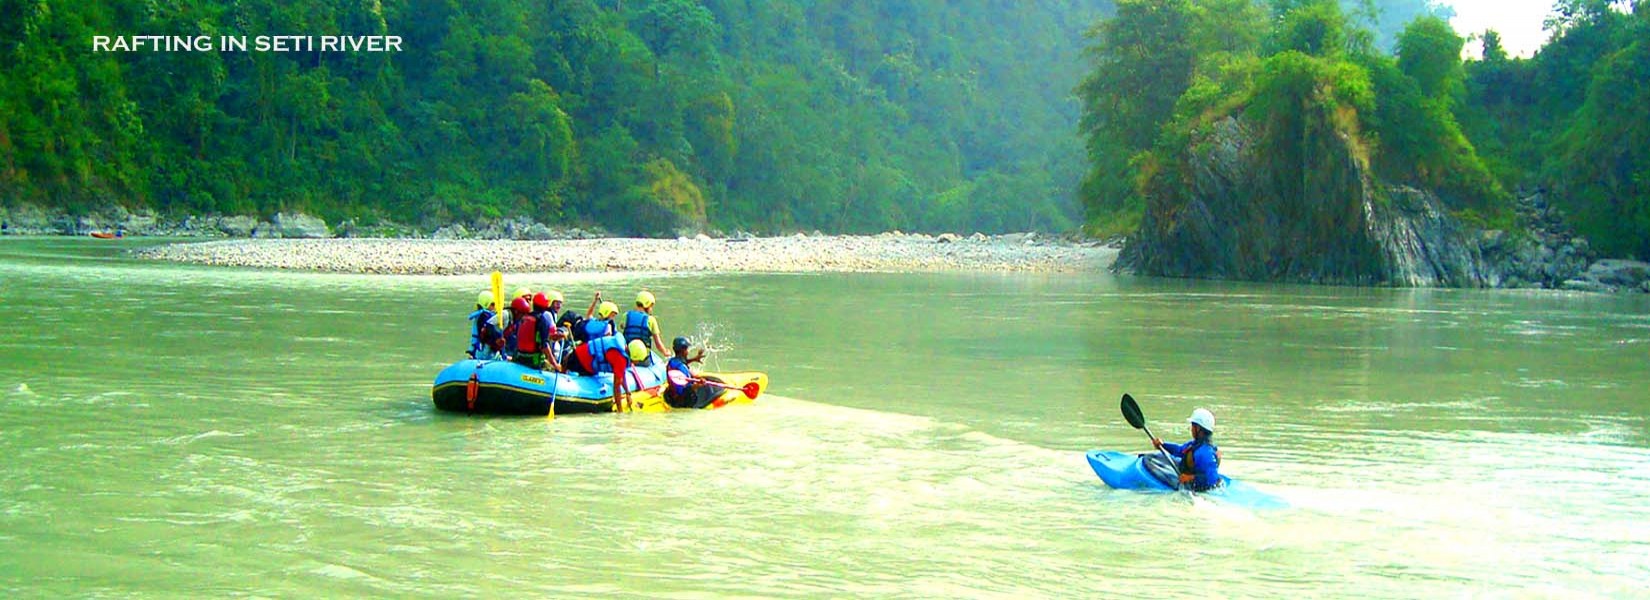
x=507, y=388
x=1154, y=473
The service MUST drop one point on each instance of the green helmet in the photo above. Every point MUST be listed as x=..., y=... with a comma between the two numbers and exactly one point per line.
x=485, y=299
x=637, y=350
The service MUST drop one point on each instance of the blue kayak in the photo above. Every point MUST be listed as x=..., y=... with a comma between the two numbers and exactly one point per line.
x=1154, y=473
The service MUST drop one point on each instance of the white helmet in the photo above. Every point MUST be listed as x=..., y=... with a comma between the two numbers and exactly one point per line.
x=1203, y=418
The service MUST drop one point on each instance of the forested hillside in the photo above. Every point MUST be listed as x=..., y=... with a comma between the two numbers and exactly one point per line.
x=645, y=116
x=1574, y=120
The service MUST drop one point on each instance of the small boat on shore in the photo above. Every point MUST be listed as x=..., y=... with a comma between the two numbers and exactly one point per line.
x=506, y=388
x=104, y=235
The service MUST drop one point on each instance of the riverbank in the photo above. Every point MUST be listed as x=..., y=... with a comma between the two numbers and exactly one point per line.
x=887, y=252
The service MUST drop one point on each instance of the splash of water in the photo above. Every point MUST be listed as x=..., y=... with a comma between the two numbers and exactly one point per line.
x=715, y=339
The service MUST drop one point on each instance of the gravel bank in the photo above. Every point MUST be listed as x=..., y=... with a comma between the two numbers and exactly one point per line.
x=889, y=252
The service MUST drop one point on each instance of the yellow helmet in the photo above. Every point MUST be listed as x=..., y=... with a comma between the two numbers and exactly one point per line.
x=484, y=299
x=555, y=296
x=606, y=309
x=521, y=291
x=637, y=350
x=644, y=299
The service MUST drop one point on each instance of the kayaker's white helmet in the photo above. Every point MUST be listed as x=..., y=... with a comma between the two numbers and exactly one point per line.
x=1203, y=418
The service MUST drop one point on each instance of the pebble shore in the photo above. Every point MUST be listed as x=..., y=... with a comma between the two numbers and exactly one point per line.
x=888, y=252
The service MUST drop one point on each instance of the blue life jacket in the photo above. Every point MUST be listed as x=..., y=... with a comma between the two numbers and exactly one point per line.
x=599, y=346
x=480, y=320
x=677, y=364
x=595, y=328
x=635, y=327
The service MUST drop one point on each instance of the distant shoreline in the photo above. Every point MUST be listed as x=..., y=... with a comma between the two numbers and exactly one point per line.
x=887, y=252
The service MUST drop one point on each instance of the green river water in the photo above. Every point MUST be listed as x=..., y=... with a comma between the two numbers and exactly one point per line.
x=172, y=430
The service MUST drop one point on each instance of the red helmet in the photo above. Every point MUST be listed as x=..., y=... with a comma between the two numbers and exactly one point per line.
x=519, y=305
x=541, y=301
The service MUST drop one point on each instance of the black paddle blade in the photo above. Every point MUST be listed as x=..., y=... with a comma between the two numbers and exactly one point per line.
x=1131, y=412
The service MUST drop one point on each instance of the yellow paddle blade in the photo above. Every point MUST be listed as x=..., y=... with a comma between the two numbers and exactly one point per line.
x=498, y=297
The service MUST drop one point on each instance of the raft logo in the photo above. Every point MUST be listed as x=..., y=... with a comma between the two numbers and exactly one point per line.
x=239, y=43
x=533, y=380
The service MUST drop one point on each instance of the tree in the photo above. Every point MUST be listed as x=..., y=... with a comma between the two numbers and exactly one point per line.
x=1493, y=52
x=1429, y=51
x=1603, y=171
x=1313, y=27
x=1143, y=61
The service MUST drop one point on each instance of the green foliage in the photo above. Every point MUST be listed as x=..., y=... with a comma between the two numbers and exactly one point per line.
x=1305, y=107
x=643, y=115
x=1420, y=143
x=1314, y=27
x=1572, y=120
x=667, y=201
x=1145, y=60
x=1429, y=52
x=1308, y=83
x=1606, y=153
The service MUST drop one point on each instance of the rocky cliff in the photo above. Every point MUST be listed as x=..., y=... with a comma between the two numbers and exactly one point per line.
x=1231, y=210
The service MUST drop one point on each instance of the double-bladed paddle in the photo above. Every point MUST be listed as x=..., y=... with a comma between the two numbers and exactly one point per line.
x=1132, y=414
x=751, y=390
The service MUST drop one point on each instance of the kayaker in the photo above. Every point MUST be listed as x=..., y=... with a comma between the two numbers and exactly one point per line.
x=688, y=395
x=640, y=324
x=601, y=354
x=1199, y=458
x=485, y=337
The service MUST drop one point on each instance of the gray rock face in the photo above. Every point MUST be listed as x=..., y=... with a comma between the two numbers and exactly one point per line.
x=1422, y=245
x=300, y=225
x=1585, y=285
x=450, y=232
x=538, y=231
x=1622, y=273
x=237, y=226
x=143, y=222
x=25, y=219
x=1329, y=220
x=1240, y=218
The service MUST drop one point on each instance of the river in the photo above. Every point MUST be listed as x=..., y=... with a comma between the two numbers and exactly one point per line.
x=173, y=430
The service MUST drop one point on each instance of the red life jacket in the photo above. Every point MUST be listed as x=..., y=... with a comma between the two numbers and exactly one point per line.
x=527, y=335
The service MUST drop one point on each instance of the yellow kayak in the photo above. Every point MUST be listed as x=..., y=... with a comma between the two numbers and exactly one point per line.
x=734, y=388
